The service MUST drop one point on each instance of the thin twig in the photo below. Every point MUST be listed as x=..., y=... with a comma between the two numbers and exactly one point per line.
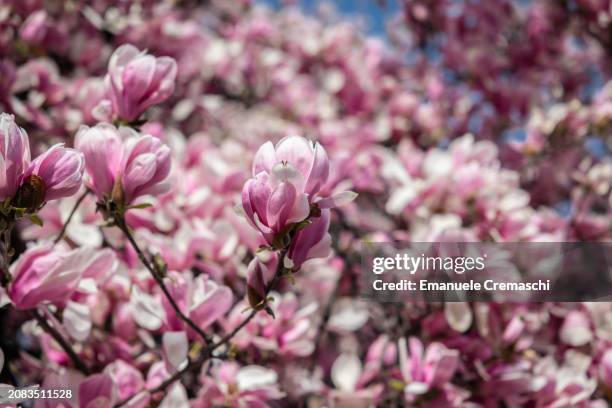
x=74, y=210
x=324, y=320
x=42, y=321
x=157, y=275
x=207, y=352
x=5, y=252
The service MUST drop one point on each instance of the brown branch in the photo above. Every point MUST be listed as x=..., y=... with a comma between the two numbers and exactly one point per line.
x=158, y=274
x=5, y=252
x=207, y=352
x=42, y=321
x=324, y=320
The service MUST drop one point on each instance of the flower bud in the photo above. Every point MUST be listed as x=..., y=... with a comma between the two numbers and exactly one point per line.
x=257, y=279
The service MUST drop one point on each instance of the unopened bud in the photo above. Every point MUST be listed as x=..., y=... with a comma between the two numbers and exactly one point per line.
x=256, y=284
x=117, y=194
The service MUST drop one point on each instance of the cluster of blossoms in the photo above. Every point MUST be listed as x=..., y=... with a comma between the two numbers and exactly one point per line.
x=200, y=243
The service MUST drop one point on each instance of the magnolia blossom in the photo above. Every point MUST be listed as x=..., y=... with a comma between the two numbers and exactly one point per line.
x=55, y=174
x=283, y=194
x=290, y=332
x=127, y=379
x=44, y=274
x=137, y=80
x=285, y=181
x=59, y=169
x=122, y=164
x=203, y=300
x=424, y=369
x=238, y=386
x=350, y=379
x=98, y=390
x=15, y=150
x=473, y=122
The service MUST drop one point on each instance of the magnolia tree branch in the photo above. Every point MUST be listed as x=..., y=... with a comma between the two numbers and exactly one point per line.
x=158, y=274
x=206, y=354
x=42, y=321
x=327, y=312
x=5, y=252
x=72, y=212
x=277, y=275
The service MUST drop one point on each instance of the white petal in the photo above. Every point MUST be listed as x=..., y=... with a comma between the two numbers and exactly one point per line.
x=176, y=397
x=401, y=197
x=416, y=388
x=345, y=371
x=77, y=320
x=252, y=377
x=458, y=315
x=175, y=346
x=148, y=313
x=338, y=200
x=348, y=315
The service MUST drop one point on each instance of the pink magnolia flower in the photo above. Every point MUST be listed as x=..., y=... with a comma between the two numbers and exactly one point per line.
x=137, y=80
x=202, y=300
x=15, y=151
x=60, y=169
x=233, y=386
x=97, y=391
x=127, y=379
x=284, y=187
x=351, y=381
x=46, y=274
x=425, y=369
x=285, y=180
x=55, y=174
x=123, y=164
x=290, y=333
x=304, y=163
x=41, y=30
x=174, y=396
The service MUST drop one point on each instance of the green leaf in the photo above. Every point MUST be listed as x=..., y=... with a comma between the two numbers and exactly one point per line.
x=396, y=384
x=140, y=206
x=36, y=219
x=300, y=226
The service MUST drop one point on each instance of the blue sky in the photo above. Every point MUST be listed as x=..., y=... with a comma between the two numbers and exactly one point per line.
x=373, y=14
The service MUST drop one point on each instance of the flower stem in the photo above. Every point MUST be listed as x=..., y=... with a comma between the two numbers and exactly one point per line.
x=207, y=352
x=42, y=321
x=5, y=252
x=158, y=274
x=327, y=312
x=74, y=210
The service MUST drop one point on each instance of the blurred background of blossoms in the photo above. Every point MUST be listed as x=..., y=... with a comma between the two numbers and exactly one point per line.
x=470, y=120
